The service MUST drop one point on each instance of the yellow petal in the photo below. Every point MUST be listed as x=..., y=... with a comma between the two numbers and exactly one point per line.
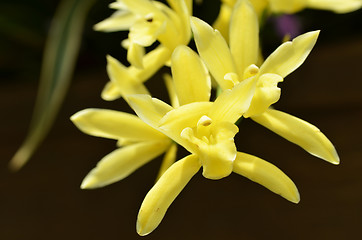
x=191, y=78
x=168, y=160
x=110, y=92
x=266, y=174
x=232, y=104
x=223, y=20
x=122, y=78
x=152, y=62
x=338, y=6
x=175, y=121
x=171, y=90
x=135, y=55
x=175, y=4
x=287, y=6
x=150, y=110
x=290, y=55
x=119, y=21
x=244, y=35
x=122, y=162
x=172, y=33
x=115, y=125
x=117, y=6
x=183, y=10
x=164, y=192
x=214, y=51
x=299, y=132
x=130, y=78
x=141, y=7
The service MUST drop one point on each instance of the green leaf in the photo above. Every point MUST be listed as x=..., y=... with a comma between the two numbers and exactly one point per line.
x=59, y=58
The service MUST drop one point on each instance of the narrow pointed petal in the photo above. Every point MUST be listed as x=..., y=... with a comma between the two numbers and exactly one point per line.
x=175, y=121
x=266, y=174
x=299, y=132
x=191, y=78
x=223, y=20
x=150, y=110
x=244, y=35
x=214, y=51
x=119, y=21
x=164, y=192
x=117, y=5
x=135, y=55
x=141, y=7
x=152, y=62
x=114, y=125
x=121, y=76
x=168, y=160
x=130, y=78
x=290, y=55
x=110, y=92
x=122, y=162
x=338, y=6
x=232, y=104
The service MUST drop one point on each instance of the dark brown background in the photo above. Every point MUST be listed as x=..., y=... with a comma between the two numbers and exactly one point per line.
x=43, y=200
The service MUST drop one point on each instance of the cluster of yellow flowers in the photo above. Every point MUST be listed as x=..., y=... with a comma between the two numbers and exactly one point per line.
x=228, y=53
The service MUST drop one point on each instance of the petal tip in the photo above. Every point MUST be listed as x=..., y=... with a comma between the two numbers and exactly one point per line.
x=97, y=27
x=335, y=160
x=75, y=117
x=109, y=58
x=296, y=198
x=195, y=24
x=89, y=182
x=315, y=34
x=140, y=229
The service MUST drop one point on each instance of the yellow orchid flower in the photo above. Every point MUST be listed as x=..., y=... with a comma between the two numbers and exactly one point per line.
x=282, y=6
x=234, y=64
x=206, y=129
x=147, y=22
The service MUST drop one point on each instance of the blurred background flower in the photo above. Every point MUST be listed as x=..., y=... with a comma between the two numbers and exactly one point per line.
x=44, y=201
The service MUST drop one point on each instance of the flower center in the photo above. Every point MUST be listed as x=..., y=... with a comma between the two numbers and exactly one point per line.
x=214, y=145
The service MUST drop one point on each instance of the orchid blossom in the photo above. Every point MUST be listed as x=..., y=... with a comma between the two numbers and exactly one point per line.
x=148, y=22
x=235, y=63
x=206, y=129
x=282, y=6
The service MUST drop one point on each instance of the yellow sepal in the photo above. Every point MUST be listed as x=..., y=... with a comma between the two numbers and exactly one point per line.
x=164, y=192
x=300, y=132
x=122, y=162
x=266, y=174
